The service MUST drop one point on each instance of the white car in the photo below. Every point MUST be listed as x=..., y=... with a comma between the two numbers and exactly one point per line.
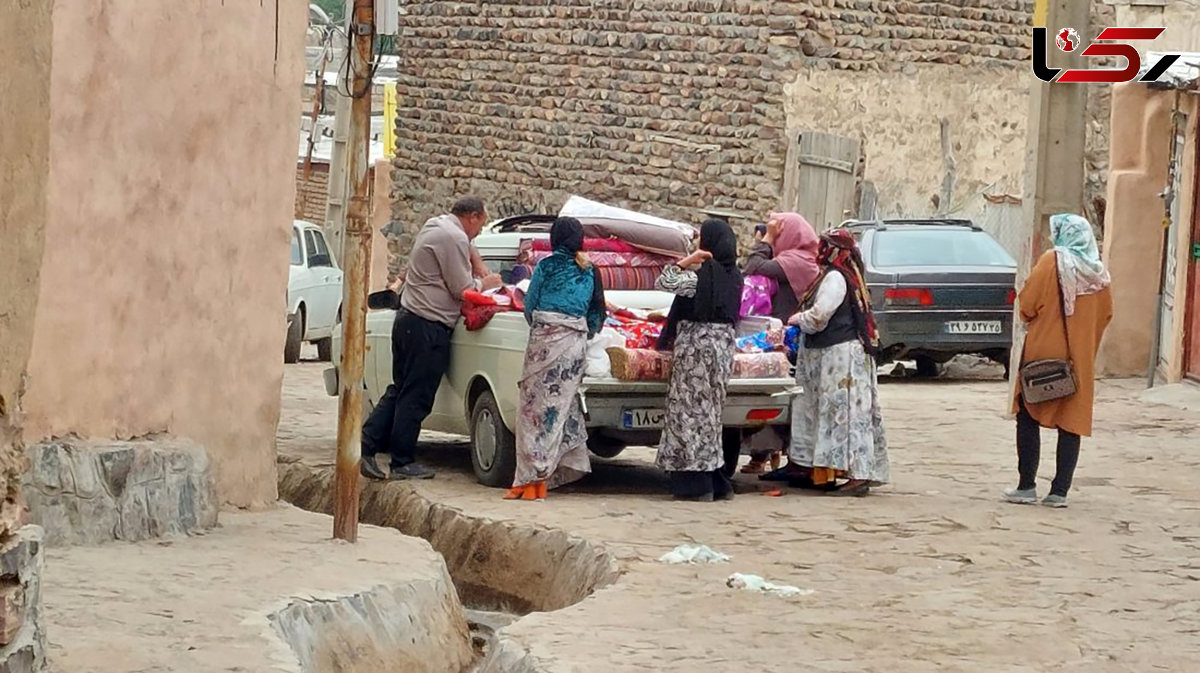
x=479, y=397
x=314, y=293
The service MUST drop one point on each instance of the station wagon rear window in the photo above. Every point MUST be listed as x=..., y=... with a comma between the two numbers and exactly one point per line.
x=938, y=247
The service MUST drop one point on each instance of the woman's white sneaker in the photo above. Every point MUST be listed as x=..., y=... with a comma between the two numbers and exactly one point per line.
x=1055, y=501
x=1021, y=496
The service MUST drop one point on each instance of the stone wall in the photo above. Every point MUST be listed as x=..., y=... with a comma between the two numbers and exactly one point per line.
x=312, y=193
x=676, y=105
x=22, y=632
x=96, y=492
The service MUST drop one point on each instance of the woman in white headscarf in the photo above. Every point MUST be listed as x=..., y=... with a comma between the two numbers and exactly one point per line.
x=1067, y=304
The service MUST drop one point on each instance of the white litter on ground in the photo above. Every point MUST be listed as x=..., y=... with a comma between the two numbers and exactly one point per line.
x=690, y=553
x=756, y=583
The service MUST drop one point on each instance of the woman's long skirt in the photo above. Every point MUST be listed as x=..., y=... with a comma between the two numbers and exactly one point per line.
x=551, y=434
x=691, y=449
x=837, y=425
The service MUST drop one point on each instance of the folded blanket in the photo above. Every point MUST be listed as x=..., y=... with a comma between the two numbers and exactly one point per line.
x=639, y=364
x=761, y=366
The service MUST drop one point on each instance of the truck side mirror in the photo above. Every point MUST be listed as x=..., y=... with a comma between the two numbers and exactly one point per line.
x=383, y=300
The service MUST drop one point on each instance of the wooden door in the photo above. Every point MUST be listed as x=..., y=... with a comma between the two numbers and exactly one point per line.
x=820, y=178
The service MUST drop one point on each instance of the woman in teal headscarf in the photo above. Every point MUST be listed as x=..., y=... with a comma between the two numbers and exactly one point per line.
x=1067, y=305
x=564, y=307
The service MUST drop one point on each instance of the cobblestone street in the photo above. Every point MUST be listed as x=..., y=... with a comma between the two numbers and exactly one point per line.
x=931, y=574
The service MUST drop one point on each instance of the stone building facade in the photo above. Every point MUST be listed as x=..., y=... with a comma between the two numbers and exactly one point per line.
x=672, y=106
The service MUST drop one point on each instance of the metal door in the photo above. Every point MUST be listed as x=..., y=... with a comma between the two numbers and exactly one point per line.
x=820, y=178
x=1166, y=333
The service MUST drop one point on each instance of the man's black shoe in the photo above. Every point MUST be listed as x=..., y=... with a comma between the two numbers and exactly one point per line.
x=371, y=469
x=412, y=471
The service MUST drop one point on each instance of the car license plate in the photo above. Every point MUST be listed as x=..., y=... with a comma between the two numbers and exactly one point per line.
x=638, y=419
x=973, y=327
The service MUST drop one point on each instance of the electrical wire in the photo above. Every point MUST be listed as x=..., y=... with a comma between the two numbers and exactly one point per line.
x=345, y=72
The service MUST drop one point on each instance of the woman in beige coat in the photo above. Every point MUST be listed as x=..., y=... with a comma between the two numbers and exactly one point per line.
x=1069, y=281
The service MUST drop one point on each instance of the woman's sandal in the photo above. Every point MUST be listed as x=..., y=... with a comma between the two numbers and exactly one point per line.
x=755, y=467
x=859, y=490
x=534, y=491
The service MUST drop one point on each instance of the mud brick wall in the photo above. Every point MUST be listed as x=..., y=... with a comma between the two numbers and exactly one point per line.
x=667, y=105
x=312, y=193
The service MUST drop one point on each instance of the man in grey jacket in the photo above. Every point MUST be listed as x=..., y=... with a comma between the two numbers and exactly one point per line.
x=440, y=269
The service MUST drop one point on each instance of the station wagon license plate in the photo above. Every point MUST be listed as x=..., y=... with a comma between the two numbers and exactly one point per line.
x=973, y=327
x=640, y=419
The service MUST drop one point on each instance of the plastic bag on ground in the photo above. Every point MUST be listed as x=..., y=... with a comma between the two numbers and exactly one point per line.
x=690, y=553
x=758, y=584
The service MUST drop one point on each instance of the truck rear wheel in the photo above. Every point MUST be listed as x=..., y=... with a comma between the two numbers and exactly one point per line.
x=493, y=446
x=605, y=447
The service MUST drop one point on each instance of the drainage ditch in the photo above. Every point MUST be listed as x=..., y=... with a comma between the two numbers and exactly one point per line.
x=501, y=570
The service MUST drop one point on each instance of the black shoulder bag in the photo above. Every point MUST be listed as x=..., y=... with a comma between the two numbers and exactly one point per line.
x=1053, y=379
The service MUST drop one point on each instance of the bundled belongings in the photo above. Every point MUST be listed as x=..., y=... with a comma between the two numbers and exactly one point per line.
x=759, y=335
x=478, y=308
x=756, y=295
x=637, y=333
x=761, y=366
x=640, y=364
x=763, y=342
x=646, y=232
x=621, y=265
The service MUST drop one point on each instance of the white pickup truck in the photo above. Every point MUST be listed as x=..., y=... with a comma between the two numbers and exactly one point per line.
x=479, y=398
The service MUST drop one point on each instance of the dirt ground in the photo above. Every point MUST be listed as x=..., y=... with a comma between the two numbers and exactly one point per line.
x=932, y=573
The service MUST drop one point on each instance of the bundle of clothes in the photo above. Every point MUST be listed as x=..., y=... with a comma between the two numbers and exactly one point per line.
x=761, y=349
x=622, y=265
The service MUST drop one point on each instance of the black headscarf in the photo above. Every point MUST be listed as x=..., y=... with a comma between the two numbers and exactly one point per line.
x=566, y=234
x=718, y=290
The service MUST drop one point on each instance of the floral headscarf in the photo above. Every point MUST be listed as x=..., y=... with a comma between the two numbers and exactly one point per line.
x=1080, y=269
x=839, y=252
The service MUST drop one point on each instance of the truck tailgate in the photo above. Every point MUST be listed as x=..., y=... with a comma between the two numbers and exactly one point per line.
x=736, y=386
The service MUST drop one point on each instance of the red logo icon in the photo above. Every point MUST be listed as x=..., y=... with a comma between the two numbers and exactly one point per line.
x=1067, y=40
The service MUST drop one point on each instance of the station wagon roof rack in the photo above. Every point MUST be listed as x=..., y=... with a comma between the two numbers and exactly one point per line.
x=913, y=221
x=532, y=222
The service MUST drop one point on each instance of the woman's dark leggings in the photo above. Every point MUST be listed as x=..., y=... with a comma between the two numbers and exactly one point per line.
x=1029, y=454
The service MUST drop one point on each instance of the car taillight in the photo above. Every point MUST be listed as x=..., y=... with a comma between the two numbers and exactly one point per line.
x=763, y=414
x=1011, y=298
x=908, y=297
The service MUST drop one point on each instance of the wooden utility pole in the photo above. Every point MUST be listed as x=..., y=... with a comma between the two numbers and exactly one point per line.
x=357, y=255
x=1055, y=143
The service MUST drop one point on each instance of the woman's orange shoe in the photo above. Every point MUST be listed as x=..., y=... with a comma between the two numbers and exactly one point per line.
x=534, y=491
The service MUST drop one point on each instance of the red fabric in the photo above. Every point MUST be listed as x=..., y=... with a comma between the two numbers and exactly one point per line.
x=477, y=316
x=638, y=334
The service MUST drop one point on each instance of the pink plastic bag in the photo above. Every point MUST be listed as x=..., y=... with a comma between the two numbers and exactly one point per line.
x=756, y=295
